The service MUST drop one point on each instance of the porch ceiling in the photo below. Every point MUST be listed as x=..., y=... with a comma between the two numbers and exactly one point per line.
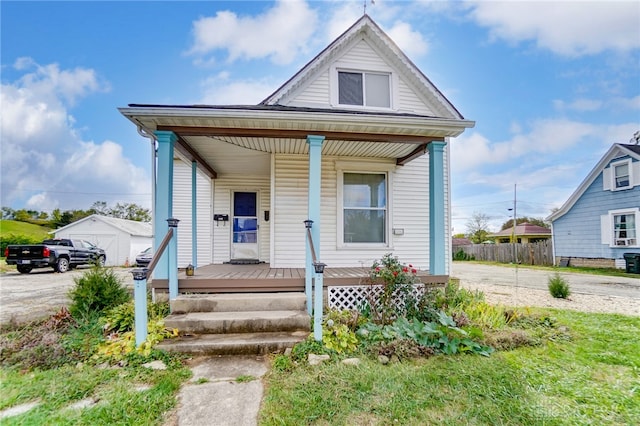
x=228, y=139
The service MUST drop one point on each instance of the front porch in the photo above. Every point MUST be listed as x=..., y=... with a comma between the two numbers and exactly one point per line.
x=260, y=278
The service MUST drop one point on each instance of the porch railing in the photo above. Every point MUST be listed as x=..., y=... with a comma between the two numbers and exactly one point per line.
x=140, y=276
x=317, y=277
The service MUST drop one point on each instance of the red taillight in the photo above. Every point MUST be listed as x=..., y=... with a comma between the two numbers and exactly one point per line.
x=46, y=252
x=6, y=252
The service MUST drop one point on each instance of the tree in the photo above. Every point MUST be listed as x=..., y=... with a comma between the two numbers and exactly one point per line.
x=478, y=227
x=130, y=211
x=532, y=220
x=100, y=207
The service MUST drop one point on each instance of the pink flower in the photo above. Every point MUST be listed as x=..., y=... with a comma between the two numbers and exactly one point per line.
x=410, y=266
x=377, y=269
x=414, y=271
x=405, y=269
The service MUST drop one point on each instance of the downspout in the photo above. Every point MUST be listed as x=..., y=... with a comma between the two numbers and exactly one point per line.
x=152, y=139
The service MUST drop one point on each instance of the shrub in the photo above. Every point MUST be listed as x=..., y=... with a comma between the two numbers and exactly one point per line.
x=95, y=292
x=559, y=287
x=11, y=239
x=461, y=255
x=121, y=318
x=396, y=279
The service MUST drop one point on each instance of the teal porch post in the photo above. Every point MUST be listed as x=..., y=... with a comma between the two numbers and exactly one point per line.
x=140, y=304
x=194, y=214
x=436, y=209
x=315, y=185
x=164, y=198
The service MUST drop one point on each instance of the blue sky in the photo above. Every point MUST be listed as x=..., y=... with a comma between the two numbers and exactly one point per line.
x=551, y=85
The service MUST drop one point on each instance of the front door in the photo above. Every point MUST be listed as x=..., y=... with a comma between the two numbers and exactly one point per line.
x=245, y=226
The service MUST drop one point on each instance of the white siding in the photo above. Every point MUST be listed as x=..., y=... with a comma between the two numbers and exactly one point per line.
x=182, y=210
x=409, y=102
x=223, y=188
x=289, y=210
x=362, y=57
x=182, y=203
x=409, y=204
x=205, y=218
x=315, y=93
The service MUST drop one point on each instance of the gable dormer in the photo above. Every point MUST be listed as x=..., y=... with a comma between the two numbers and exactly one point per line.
x=364, y=70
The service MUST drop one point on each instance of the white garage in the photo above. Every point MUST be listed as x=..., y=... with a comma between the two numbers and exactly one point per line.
x=121, y=239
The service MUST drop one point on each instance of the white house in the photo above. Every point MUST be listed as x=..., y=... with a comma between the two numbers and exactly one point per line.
x=121, y=239
x=357, y=141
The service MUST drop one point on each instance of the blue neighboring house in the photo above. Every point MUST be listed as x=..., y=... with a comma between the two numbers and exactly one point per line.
x=601, y=219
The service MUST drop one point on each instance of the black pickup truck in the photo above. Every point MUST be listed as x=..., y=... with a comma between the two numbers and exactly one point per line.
x=59, y=254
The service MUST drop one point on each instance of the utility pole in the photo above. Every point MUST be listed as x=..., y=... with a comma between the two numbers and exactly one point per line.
x=515, y=235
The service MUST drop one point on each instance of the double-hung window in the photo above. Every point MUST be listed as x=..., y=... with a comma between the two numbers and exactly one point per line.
x=364, y=88
x=364, y=203
x=625, y=229
x=621, y=175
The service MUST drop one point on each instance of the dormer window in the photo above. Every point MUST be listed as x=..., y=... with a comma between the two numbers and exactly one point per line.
x=621, y=175
x=364, y=89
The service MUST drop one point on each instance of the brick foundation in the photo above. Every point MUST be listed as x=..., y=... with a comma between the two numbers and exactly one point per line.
x=591, y=262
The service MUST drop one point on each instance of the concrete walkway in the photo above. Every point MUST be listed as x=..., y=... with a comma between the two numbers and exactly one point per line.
x=224, y=391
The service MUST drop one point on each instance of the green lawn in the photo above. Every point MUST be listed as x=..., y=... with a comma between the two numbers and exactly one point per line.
x=23, y=228
x=593, y=378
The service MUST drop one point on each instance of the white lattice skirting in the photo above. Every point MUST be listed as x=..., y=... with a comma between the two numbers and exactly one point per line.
x=354, y=297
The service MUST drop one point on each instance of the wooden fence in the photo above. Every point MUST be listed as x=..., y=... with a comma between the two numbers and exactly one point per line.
x=539, y=253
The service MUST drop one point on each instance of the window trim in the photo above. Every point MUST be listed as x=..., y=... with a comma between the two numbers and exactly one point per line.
x=612, y=225
x=363, y=168
x=353, y=68
x=613, y=167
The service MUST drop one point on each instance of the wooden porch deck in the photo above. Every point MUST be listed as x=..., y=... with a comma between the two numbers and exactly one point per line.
x=261, y=278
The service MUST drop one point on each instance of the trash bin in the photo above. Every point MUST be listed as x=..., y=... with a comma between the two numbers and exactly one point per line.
x=632, y=261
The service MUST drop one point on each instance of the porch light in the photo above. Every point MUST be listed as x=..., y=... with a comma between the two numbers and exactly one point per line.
x=140, y=274
x=173, y=222
x=319, y=267
x=308, y=223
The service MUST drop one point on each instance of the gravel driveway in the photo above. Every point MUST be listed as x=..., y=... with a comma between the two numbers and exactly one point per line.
x=528, y=287
x=43, y=292
x=26, y=297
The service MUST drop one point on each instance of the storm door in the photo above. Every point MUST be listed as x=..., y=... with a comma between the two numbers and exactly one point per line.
x=245, y=226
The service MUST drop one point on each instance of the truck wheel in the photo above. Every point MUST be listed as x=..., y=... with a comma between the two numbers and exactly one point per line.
x=62, y=265
x=24, y=269
x=100, y=261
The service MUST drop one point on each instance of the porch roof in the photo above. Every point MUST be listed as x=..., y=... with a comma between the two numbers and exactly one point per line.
x=207, y=133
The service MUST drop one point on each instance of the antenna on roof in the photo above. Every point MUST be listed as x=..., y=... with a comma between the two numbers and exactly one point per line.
x=635, y=138
x=364, y=6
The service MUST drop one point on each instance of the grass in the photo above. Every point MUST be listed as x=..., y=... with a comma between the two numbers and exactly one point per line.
x=114, y=389
x=593, y=378
x=23, y=228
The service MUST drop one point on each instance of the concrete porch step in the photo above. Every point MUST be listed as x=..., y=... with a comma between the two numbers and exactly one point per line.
x=234, y=343
x=239, y=322
x=239, y=302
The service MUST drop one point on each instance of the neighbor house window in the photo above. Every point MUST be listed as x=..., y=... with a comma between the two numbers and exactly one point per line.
x=625, y=229
x=364, y=203
x=621, y=175
x=364, y=88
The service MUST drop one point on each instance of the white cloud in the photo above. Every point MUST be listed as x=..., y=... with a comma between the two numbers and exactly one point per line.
x=546, y=137
x=279, y=34
x=410, y=41
x=222, y=90
x=45, y=163
x=568, y=28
